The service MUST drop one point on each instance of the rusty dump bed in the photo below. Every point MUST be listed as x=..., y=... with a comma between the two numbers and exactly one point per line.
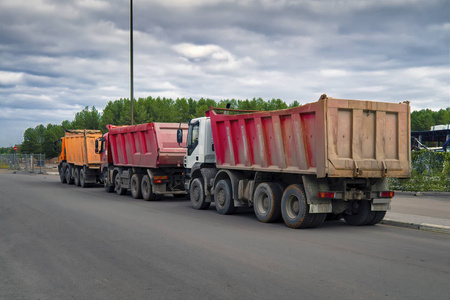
x=330, y=137
x=80, y=148
x=149, y=145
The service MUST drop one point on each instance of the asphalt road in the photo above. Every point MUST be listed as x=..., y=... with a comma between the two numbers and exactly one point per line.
x=64, y=242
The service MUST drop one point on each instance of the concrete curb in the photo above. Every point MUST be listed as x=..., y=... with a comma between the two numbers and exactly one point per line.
x=421, y=226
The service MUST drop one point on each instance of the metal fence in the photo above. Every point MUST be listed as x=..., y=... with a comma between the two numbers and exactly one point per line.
x=34, y=163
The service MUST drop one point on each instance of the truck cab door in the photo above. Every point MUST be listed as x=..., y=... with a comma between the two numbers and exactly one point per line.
x=193, y=153
x=200, y=146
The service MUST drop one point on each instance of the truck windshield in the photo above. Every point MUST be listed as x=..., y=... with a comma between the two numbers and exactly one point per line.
x=193, y=136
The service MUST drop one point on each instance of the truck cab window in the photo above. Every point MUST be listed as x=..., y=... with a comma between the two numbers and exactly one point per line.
x=193, y=134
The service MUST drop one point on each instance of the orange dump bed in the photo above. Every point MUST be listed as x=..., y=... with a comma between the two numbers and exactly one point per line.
x=79, y=147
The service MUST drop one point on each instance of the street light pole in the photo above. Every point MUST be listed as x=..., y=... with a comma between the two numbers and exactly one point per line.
x=131, y=60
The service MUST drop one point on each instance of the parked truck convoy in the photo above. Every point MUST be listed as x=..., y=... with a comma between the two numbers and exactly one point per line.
x=142, y=158
x=327, y=158
x=78, y=163
x=324, y=159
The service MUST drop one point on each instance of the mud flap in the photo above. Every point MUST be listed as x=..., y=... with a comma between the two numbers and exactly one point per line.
x=313, y=185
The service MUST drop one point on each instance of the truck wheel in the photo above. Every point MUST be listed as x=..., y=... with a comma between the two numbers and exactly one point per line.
x=197, y=194
x=294, y=207
x=82, y=178
x=109, y=188
x=69, y=179
x=119, y=189
x=146, y=188
x=267, y=202
x=223, y=197
x=62, y=174
x=379, y=215
x=361, y=214
x=76, y=179
x=136, y=191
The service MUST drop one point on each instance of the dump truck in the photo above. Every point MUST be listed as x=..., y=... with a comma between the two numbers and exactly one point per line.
x=143, y=158
x=324, y=159
x=78, y=163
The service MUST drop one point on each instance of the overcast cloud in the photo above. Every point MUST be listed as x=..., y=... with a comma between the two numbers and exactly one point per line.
x=58, y=56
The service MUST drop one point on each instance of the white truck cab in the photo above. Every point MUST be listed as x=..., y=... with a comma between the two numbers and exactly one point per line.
x=200, y=146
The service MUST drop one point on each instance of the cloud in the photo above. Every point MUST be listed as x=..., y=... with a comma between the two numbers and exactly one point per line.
x=58, y=56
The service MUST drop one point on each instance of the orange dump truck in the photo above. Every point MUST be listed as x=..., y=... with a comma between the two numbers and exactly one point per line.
x=78, y=162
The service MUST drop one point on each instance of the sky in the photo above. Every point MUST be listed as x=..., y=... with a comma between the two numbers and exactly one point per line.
x=58, y=56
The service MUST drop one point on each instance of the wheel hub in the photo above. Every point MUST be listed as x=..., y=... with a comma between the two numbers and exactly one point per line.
x=293, y=207
x=221, y=198
x=265, y=203
x=196, y=194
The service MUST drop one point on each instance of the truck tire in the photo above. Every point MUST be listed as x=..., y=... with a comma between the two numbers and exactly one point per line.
x=223, y=197
x=119, y=189
x=317, y=220
x=361, y=214
x=62, y=174
x=146, y=188
x=69, y=179
x=109, y=188
x=197, y=194
x=379, y=216
x=136, y=191
x=82, y=178
x=76, y=179
x=267, y=202
x=294, y=208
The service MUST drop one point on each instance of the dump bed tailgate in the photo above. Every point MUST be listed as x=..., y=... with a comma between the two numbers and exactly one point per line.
x=80, y=148
x=367, y=139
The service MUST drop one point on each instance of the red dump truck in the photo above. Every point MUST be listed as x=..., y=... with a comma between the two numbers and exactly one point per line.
x=78, y=163
x=327, y=158
x=143, y=158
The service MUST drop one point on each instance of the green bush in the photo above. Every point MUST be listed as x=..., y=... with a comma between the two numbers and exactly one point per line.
x=430, y=171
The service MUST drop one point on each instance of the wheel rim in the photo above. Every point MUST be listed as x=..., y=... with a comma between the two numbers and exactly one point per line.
x=144, y=188
x=262, y=204
x=133, y=185
x=221, y=197
x=196, y=194
x=105, y=180
x=293, y=207
x=117, y=181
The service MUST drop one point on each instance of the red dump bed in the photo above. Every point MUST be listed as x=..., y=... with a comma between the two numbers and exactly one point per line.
x=330, y=137
x=150, y=145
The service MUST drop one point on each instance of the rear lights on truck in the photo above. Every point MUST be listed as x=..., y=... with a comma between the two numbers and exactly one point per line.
x=159, y=179
x=326, y=195
x=348, y=196
x=387, y=194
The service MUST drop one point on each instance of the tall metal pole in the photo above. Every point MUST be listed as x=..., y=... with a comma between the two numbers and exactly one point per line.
x=131, y=59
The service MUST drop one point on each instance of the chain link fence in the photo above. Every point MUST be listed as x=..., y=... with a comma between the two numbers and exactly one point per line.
x=33, y=163
x=430, y=171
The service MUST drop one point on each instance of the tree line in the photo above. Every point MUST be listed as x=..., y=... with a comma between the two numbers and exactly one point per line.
x=41, y=138
x=422, y=120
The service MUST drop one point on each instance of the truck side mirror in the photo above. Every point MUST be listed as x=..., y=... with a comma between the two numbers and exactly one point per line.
x=99, y=145
x=180, y=136
x=55, y=145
